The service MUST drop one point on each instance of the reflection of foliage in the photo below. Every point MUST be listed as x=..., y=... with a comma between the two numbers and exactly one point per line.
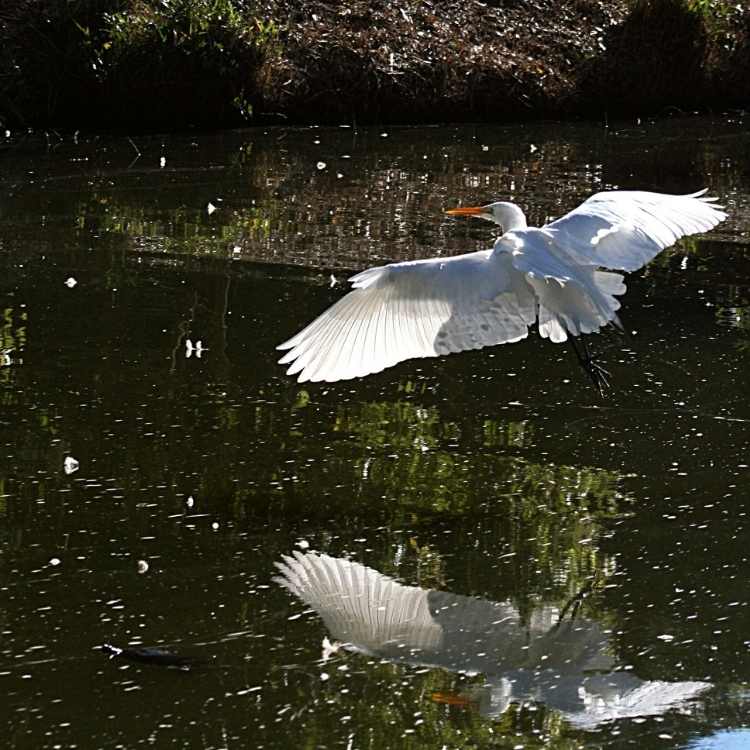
x=407, y=458
x=430, y=565
x=277, y=206
x=12, y=343
x=737, y=318
x=409, y=709
x=408, y=447
x=178, y=230
x=736, y=313
x=13, y=329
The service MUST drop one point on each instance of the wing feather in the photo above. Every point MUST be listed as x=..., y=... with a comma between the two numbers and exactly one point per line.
x=414, y=309
x=624, y=229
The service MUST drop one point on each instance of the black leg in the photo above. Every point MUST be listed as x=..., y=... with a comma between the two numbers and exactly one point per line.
x=598, y=375
x=574, y=603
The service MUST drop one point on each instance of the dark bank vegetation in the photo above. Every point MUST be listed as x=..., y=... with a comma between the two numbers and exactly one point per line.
x=175, y=63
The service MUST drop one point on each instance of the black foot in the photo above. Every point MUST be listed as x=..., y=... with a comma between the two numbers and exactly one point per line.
x=599, y=375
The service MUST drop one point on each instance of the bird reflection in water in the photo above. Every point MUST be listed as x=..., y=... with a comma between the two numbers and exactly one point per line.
x=563, y=663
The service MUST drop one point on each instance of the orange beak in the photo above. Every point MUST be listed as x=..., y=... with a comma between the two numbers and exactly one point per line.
x=466, y=211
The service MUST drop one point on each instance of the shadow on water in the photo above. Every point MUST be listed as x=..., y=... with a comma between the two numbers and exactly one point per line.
x=496, y=481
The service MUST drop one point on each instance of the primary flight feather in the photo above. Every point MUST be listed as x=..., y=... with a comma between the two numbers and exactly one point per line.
x=549, y=276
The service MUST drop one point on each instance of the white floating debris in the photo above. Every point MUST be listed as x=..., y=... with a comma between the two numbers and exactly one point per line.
x=329, y=649
x=532, y=148
x=334, y=281
x=70, y=282
x=485, y=148
x=190, y=502
x=163, y=162
x=666, y=637
x=215, y=525
x=236, y=250
x=55, y=561
x=683, y=262
x=210, y=208
x=321, y=165
x=303, y=544
x=324, y=676
x=70, y=465
x=142, y=567
x=196, y=348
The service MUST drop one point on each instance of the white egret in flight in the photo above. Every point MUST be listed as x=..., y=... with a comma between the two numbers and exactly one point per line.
x=549, y=276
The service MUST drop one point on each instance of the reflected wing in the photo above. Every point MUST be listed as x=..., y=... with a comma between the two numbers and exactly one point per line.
x=619, y=695
x=360, y=606
x=560, y=663
x=378, y=616
x=414, y=309
x=626, y=229
x=374, y=614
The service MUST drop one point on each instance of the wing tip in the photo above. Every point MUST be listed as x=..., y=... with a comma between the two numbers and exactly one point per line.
x=710, y=199
x=366, y=278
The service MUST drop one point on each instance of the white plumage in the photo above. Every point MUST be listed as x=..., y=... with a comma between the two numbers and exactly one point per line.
x=547, y=275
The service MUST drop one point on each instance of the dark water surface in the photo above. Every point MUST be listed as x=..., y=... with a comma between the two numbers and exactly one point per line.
x=574, y=570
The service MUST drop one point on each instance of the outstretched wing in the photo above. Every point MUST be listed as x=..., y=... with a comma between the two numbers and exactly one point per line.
x=625, y=229
x=416, y=309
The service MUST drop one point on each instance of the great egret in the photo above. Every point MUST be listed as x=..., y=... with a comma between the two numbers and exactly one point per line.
x=565, y=663
x=547, y=275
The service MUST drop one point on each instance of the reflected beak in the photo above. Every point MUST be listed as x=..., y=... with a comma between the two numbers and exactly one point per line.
x=466, y=211
x=451, y=699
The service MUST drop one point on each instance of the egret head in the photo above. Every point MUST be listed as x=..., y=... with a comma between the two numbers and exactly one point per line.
x=503, y=213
